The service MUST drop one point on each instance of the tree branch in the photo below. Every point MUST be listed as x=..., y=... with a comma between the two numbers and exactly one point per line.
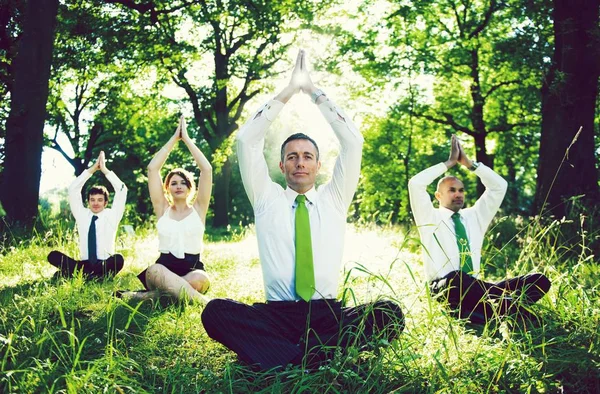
x=150, y=6
x=498, y=86
x=486, y=19
x=199, y=113
x=457, y=16
x=448, y=121
x=507, y=127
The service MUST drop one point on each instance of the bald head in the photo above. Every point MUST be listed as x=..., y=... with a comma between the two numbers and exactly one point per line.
x=445, y=179
x=451, y=193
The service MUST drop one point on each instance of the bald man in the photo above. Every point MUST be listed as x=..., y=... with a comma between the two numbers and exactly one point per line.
x=452, y=239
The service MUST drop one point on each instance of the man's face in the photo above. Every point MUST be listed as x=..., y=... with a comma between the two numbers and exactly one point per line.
x=97, y=202
x=300, y=165
x=451, y=194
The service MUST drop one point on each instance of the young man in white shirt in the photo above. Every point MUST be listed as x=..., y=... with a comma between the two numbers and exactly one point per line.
x=300, y=233
x=97, y=226
x=452, y=238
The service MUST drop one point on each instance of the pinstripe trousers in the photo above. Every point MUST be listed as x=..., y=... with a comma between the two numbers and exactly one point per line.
x=470, y=298
x=275, y=334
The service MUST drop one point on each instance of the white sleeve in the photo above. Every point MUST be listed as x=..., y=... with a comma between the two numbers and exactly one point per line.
x=420, y=201
x=77, y=207
x=346, y=171
x=495, y=188
x=250, y=152
x=118, y=204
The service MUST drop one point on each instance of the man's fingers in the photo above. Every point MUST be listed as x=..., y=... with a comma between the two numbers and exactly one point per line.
x=299, y=60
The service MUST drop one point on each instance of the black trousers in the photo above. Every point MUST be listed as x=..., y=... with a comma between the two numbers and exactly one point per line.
x=480, y=301
x=68, y=265
x=274, y=334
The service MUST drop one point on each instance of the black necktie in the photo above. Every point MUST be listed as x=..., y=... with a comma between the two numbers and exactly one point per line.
x=92, y=255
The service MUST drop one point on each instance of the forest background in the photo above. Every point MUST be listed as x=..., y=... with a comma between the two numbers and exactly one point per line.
x=516, y=80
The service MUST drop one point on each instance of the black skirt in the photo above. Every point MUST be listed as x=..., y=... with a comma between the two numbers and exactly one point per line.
x=179, y=267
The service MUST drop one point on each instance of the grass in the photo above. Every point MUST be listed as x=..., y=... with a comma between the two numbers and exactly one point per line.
x=70, y=336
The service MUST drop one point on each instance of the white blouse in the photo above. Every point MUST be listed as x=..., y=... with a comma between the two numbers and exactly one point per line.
x=180, y=236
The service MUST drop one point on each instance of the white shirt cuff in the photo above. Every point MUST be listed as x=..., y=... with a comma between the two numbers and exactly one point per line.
x=271, y=109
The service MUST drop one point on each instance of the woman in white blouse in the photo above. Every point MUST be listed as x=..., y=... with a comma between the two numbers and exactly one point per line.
x=181, y=217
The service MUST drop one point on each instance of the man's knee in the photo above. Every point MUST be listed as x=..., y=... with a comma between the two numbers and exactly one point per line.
x=388, y=316
x=537, y=285
x=213, y=315
x=119, y=262
x=56, y=258
x=541, y=282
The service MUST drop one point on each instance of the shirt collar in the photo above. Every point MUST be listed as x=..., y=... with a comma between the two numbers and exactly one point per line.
x=291, y=194
x=447, y=213
x=99, y=214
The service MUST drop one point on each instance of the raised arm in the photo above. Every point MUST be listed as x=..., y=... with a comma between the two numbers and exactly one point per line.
x=488, y=204
x=77, y=207
x=346, y=171
x=118, y=204
x=251, y=140
x=420, y=201
x=155, y=186
x=206, y=177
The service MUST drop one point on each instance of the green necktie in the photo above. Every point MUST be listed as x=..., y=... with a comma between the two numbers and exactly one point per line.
x=463, y=244
x=305, y=276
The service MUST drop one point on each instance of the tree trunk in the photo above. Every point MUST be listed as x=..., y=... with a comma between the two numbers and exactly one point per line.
x=481, y=156
x=477, y=118
x=221, y=195
x=569, y=95
x=25, y=124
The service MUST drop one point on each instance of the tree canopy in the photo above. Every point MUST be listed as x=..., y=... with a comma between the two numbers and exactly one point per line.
x=413, y=73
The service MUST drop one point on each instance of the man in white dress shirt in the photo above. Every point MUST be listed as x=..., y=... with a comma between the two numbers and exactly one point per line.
x=452, y=238
x=97, y=226
x=299, y=324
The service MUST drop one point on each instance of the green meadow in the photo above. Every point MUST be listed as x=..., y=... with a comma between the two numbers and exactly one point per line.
x=73, y=336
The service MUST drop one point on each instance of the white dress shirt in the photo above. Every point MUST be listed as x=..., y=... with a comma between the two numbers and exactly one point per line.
x=179, y=237
x=274, y=206
x=108, y=220
x=436, y=228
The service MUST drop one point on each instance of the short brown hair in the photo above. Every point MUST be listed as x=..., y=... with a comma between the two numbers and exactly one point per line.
x=98, y=189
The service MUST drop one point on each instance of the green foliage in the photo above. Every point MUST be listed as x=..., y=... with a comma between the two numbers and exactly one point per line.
x=477, y=67
x=395, y=149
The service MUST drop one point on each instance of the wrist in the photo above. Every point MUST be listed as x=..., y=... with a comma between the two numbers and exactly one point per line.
x=310, y=89
x=286, y=94
x=316, y=94
x=473, y=165
x=450, y=163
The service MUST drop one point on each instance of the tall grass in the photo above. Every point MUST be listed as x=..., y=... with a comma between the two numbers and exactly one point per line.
x=73, y=336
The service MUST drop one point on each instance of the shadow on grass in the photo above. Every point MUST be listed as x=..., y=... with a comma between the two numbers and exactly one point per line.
x=565, y=351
